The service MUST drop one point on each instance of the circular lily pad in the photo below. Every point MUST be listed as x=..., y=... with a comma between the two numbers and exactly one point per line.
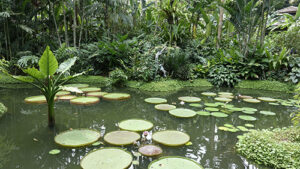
x=135, y=125
x=203, y=113
x=235, y=109
x=66, y=97
x=209, y=94
x=223, y=99
x=242, y=128
x=62, y=93
x=252, y=100
x=107, y=158
x=165, y=107
x=77, y=137
x=268, y=113
x=249, y=112
x=249, y=125
x=219, y=114
x=245, y=97
x=120, y=138
x=275, y=104
x=54, y=151
x=85, y=100
x=195, y=105
x=155, y=100
x=90, y=89
x=249, y=109
x=96, y=94
x=77, y=85
x=183, y=113
x=225, y=93
x=211, y=104
x=173, y=162
x=267, y=99
x=247, y=118
x=226, y=96
x=36, y=99
x=150, y=150
x=171, y=137
x=116, y=96
x=211, y=109
x=189, y=99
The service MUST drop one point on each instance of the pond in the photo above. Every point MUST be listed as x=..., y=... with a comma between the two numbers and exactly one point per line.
x=25, y=126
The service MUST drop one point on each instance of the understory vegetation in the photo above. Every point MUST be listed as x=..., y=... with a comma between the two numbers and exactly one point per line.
x=145, y=40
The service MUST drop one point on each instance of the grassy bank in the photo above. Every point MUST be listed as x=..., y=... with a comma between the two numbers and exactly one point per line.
x=278, y=148
x=266, y=85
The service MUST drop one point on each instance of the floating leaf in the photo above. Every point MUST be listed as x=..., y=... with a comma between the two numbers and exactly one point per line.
x=150, y=150
x=155, y=100
x=235, y=109
x=269, y=113
x=96, y=94
x=54, y=151
x=136, y=154
x=135, y=125
x=229, y=125
x=275, y=104
x=77, y=85
x=121, y=137
x=66, y=97
x=189, y=143
x=267, y=99
x=90, y=89
x=190, y=99
x=165, y=107
x=249, y=109
x=108, y=158
x=249, y=125
x=209, y=94
x=171, y=137
x=219, y=114
x=211, y=104
x=195, y=105
x=223, y=128
x=77, y=137
x=84, y=100
x=203, y=113
x=135, y=162
x=233, y=130
x=183, y=113
x=97, y=143
x=174, y=162
x=245, y=97
x=247, y=118
x=116, y=96
x=211, y=109
x=62, y=93
x=251, y=100
x=226, y=96
x=36, y=99
x=225, y=93
x=242, y=128
x=249, y=112
x=222, y=99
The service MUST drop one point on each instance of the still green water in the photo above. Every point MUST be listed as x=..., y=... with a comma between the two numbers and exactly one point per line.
x=25, y=126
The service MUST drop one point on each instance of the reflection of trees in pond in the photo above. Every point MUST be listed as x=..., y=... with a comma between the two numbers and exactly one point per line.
x=6, y=147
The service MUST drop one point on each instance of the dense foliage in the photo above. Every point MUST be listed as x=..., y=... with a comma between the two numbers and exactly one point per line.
x=279, y=148
x=296, y=115
x=146, y=40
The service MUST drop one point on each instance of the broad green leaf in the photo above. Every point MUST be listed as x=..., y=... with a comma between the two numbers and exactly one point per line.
x=24, y=79
x=298, y=13
x=48, y=63
x=34, y=73
x=66, y=65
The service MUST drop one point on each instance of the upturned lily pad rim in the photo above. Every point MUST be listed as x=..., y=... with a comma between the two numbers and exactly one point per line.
x=65, y=97
x=90, y=89
x=179, y=157
x=79, y=145
x=177, y=114
x=124, y=96
x=189, y=99
x=267, y=99
x=148, y=155
x=149, y=128
x=123, y=144
x=158, y=100
x=96, y=94
x=107, y=148
x=96, y=100
x=172, y=145
x=78, y=85
x=170, y=106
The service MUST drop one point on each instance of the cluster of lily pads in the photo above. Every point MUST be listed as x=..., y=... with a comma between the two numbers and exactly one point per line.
x=82, y=95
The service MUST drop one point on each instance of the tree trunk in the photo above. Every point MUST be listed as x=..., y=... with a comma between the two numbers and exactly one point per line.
x=54, y=20
x=81, y=25
x=51, y=115
x=66, y=25
x=74, y=23
x=220, y=25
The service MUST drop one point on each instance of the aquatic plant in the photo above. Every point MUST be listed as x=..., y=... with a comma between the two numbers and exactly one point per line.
x=49, y=78
x=3, y=109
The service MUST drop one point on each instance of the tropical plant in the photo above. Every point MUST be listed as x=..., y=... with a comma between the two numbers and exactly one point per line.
x=118, y=77
x=224, y=75
x=46, y=79
x=296, y=115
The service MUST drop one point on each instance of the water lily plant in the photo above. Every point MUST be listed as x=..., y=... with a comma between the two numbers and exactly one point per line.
x=49, y=78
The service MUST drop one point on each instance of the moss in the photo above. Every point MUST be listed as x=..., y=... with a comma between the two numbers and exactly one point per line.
x=167, y=85
x=278, y=148
x=3, y=109
x=266, y=85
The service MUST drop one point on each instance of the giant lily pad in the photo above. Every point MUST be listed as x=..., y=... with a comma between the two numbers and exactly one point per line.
x=120, y=138
x=251, y=100
x=247, y=118
x=66, y=97
x=96, y=94
x=203, y=113
x=37, y=99
x=62, y=93
x=223, y=99
x=195, y=105
x=135, y=125
x=219, y=114
x=107, y=158
x=209, y=94
x=85, y=100
x=174, y=162
x=116, y=96
x=267, y=99
x=77, y=137
x=225, y=93
x=211, y=109
x=227, y=96
x=171, y=137
x=211, y=104
x=156, y=100
x=77, y=85
x=90, y=89
x=165, y=107
x=245, y=97
x=269, y=113
x=249, y=112
x=150, y=150
x=184, y=113
x=249, y=109
x=189, y=99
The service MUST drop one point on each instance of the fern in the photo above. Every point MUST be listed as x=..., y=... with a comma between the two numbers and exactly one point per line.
x=27, y=59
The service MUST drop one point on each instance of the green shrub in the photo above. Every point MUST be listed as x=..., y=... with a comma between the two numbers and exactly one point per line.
x=279, y=148
x=118, y=77
x=223, y=75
